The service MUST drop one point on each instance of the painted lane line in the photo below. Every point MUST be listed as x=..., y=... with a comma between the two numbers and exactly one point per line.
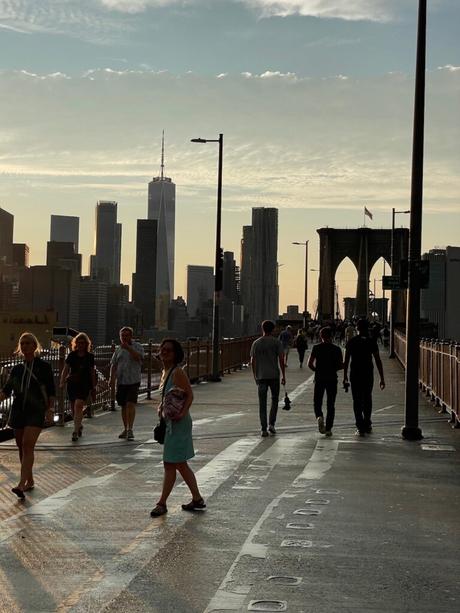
x=299, y=390
x=57, y=501
x=117, y=573
x=219, y=418
x=226, y=598
x=390, y=406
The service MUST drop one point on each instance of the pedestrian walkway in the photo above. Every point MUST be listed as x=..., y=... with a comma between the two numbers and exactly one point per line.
x=295, y=522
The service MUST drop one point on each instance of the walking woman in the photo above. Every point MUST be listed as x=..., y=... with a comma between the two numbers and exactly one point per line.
x=178, y=444
x=80, y=375
x=301, y=344
x=32, y=384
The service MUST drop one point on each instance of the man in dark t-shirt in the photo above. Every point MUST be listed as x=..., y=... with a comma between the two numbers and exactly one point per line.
x=360, y=352
x=325, y=360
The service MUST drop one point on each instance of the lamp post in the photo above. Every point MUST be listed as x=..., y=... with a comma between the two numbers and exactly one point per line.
x=218, y=259
x=394, y=212
x=411, y=430
x=305, y=310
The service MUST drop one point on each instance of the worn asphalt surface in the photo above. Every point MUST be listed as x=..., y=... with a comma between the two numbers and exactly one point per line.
x=295, y=522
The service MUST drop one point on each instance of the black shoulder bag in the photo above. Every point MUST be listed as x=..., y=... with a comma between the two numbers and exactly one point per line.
x=159, y=432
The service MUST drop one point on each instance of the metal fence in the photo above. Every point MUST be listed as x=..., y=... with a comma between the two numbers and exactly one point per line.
x=234, y=354
x=439, y=372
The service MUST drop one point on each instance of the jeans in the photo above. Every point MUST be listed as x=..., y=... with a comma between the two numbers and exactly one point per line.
x=330, y=387
x=263, y=385
x=361, y=390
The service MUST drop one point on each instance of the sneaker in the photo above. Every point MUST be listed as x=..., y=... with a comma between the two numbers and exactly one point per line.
x=328, y=433
x=124, y=434
x=264, y=434
x=272, y=430
x=130, y=435
x=321, y=427
x=360, y=433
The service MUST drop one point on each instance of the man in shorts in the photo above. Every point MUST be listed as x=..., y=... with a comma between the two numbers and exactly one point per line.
x=125, y=367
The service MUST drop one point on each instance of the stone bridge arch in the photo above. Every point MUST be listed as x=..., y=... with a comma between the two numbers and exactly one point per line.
x=364, y=246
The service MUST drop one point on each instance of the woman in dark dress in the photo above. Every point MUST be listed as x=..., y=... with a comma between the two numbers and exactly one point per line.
x=80, y=375
x=32, y=384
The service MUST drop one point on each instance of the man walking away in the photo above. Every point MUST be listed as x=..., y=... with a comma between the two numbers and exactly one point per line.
x=125, y=367
x=286, y=339
x=267, y=359
x=325, y=360
x=358, y=354
x=301, y=344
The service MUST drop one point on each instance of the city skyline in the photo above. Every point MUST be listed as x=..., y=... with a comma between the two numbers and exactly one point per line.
x=317, y=126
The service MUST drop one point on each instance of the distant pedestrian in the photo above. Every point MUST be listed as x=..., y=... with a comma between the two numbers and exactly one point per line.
x=359, y=353
x=267, y=360
x=350, y=332
x=325, y=360
x=32, y=384
x=286, y=337
x=126, y=367
x=178, y=443
x=301, y=344
x=80, y=375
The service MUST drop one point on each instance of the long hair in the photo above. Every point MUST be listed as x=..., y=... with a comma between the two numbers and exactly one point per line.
x=80, y=336
x=31, y=337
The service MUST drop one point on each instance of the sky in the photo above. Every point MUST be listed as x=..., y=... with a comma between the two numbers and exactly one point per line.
x=314, y=98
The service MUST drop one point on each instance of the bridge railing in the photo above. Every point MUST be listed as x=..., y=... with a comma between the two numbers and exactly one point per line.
x=234, y=354
x=439, y=372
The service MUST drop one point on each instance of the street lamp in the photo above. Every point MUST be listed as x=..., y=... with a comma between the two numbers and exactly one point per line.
x=306, y=282
x=394, y=212
x=411, y=430
x=218, y=259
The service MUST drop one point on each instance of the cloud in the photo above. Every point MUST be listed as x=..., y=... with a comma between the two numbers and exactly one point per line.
x=353, y=10
x=75, y=18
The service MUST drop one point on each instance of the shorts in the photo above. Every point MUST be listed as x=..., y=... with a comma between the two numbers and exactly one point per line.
x=127, y=393
x=77, y=391
x=20, y=419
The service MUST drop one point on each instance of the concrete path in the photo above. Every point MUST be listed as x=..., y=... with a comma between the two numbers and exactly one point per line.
x=295, y=522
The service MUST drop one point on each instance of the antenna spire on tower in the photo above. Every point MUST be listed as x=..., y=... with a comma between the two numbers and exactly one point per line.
x=162, y=155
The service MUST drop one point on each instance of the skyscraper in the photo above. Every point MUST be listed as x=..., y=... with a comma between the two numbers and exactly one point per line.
x=200, y=287
x=106, y=264
x=65, y=229
x=259, y=268
x=162, y=208
x=440, y=302
x=6, y=236
x=144, y=279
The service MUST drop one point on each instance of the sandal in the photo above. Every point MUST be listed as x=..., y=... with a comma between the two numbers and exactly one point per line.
x=194, y=505
x=160, y=509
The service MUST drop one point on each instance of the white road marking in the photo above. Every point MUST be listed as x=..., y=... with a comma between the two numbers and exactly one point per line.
x=218, y=418
x=390, y=406
x=51, y=504
x=231, y=597
x=298, y=391
x=121, y=570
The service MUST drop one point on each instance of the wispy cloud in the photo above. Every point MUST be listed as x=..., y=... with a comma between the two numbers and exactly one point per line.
x=353, y=10
x=85, y=19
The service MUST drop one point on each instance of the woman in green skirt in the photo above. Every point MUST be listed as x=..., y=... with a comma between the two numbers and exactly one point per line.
x=178, y=443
